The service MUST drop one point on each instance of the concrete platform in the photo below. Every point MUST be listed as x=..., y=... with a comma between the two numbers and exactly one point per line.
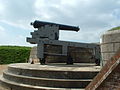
x=58, y=66
x=53, y=76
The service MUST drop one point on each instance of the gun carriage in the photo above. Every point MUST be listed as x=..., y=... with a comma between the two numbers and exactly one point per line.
x=48, y=35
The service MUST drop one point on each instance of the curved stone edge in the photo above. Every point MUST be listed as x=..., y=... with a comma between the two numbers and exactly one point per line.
x=112, y=32
x=110, y=43
x=110, y=37
x=17, y=86
x=71, y=68
x=53, y=74
x=63, y=83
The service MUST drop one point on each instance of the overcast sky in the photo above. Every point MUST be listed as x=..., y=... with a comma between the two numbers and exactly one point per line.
x=93, y=17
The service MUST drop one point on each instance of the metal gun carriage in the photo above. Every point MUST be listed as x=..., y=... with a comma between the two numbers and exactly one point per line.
x=48, y=35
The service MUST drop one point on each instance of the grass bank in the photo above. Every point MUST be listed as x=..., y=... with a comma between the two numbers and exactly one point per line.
x=14, y=54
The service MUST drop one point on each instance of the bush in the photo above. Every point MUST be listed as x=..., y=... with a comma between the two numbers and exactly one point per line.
x=14, y=54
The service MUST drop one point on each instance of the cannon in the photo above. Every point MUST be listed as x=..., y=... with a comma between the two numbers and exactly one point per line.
x=48, y=35
x=38, y=24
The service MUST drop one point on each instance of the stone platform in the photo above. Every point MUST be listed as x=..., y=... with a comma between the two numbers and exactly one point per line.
x=24, y=76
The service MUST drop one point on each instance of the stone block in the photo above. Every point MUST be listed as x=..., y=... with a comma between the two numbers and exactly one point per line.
x=107, y=47
x=116, y=46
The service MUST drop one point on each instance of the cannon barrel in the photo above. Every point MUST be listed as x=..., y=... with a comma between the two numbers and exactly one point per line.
x=38, y=24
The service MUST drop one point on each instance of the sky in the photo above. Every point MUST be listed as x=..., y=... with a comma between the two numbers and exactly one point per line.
x=94, y=17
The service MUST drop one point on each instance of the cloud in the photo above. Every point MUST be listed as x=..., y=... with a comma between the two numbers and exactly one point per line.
x=3, y=35
x=2, y=28
x=86, y=13
x=93, y=16
x=2, y=31
x=17, y=13
x=17, y=10
x=1, y=8
x=10, y=35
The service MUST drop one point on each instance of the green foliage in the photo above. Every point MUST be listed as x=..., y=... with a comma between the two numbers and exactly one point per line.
x=115, y=28
x=14, y=54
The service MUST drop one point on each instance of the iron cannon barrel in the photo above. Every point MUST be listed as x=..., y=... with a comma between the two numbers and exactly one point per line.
x=38, y=24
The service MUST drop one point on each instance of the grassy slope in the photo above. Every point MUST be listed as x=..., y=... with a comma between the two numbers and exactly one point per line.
x=14, y=54
x=115, y=28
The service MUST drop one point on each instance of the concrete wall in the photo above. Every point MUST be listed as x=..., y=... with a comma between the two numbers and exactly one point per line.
x=112, y=82
x=109, y=76
x=33, y=55
x=79, y=55
x=110, y=44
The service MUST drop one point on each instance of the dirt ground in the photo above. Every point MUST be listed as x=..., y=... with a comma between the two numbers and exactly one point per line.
x=2, y=68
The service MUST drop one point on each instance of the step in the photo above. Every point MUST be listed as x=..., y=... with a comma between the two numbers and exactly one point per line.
x=18, y=86
x=54, y=71
x=59, y=83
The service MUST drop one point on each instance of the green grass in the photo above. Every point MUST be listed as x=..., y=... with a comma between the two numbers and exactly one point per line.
x=14, y=54
x=115, y=28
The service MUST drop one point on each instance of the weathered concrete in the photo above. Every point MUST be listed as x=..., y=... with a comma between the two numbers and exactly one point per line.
x=110, y=44
x=36, y=77
x=112, y=82
x=109, y=76
x=33, y=55
x=79, y=55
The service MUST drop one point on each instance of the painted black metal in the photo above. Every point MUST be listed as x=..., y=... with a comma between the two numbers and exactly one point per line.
x=38, y=24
